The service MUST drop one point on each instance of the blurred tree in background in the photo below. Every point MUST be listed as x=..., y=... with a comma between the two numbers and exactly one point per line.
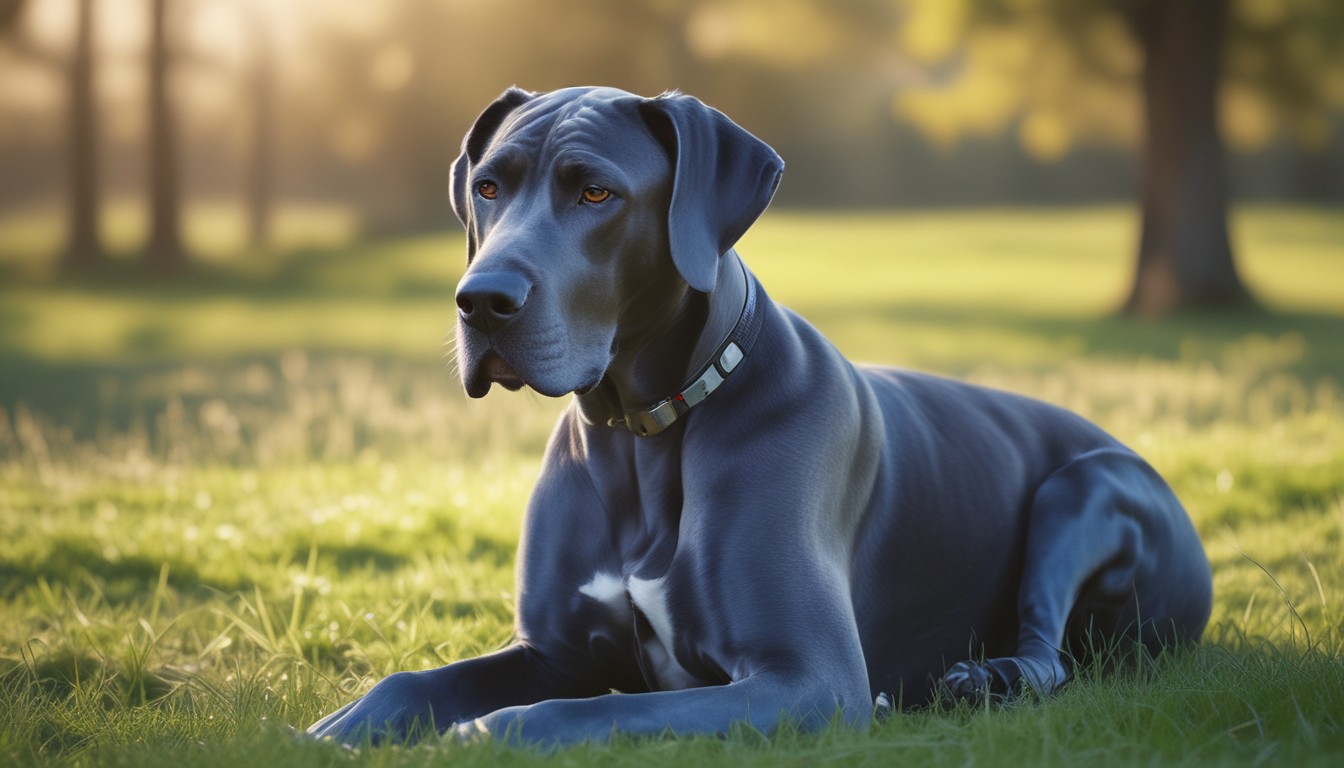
x=83, y=245
x=83, y=248
x=1064, y=70
x=262, y=77
x=873, y=103
x=165, y=251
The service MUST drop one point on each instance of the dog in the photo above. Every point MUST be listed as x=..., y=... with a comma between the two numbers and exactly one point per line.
x=734, y=523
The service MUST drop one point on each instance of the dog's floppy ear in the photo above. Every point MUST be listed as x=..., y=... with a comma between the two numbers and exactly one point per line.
x=473, y=145
x=724, y=178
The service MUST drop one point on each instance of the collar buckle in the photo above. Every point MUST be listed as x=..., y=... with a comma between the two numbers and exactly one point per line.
x=651, y=421
x=648, y=422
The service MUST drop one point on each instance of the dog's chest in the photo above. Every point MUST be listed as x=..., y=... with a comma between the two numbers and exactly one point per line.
x=642, y=605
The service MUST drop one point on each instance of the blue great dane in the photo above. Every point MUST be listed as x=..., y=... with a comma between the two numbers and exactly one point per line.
x=733, y=522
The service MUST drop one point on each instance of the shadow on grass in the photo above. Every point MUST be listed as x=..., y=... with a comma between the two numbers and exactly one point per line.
x=84, y=397
x=120, y=579
x=366, y=269
x=1191, y=336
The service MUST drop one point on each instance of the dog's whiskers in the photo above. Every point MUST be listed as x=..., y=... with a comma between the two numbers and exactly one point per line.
x=449, y=345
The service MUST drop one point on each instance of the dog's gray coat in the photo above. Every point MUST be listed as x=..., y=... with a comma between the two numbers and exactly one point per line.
x=812, y=534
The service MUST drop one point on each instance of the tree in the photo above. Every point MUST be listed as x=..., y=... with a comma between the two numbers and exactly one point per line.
x=1185, y=256
x=83, y=246
x=165, y=252
x=83, y=249
x=1067, y=69
x=261, y=85
x=10, y=13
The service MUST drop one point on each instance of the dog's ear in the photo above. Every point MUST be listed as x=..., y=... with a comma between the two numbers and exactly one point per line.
x=724, y=178
x=473, y=145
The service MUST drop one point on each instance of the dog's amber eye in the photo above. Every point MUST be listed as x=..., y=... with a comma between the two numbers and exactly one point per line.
x=487, y=189
x=595, y=194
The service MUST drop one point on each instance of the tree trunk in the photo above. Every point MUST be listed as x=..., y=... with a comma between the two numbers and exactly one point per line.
x=82, y=248
x=1185, y=257
x=10, y=12
x=165, y=252
x=260, y=179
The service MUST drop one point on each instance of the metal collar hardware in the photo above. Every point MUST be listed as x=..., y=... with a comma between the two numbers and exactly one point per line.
x=650, y=421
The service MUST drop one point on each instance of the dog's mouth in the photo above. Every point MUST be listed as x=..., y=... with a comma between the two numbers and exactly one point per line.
x=495, y=369
x=492, y=367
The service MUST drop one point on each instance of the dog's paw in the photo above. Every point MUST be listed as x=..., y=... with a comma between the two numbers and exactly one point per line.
x=883, y=706
x=397, y=708
x=995, y=681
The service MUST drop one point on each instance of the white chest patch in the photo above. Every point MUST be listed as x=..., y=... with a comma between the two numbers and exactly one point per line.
x=648, y=596
x=606, y=588
x=651, y=600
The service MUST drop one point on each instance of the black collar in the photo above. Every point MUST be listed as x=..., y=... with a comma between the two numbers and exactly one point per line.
x=647, y=422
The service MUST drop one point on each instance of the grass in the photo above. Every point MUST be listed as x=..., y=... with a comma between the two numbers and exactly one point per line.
x=232, y=502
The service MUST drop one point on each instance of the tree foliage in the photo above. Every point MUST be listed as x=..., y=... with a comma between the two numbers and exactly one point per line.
x=1065, y=72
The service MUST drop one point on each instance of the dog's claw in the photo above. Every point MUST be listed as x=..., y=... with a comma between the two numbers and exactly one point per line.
x=883, y=706
x=996, y=680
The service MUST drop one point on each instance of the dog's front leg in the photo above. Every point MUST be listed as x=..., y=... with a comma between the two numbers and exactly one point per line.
x=413, y=703
x=762, y=701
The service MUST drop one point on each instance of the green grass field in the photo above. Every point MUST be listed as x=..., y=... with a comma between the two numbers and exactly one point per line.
x=231, y=502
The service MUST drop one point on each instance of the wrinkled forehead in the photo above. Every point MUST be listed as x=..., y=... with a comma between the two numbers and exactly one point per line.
x=603, y=121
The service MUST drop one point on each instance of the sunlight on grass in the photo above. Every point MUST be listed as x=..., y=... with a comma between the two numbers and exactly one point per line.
x=1294, y=258
x=1017, y=260
x=213, y=231
x=230, y=504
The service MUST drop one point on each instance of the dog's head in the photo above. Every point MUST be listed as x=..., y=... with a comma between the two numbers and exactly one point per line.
x=588, y=211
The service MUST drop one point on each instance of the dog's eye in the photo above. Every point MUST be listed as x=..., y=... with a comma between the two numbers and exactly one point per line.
x=595, y=194
x=487, y=189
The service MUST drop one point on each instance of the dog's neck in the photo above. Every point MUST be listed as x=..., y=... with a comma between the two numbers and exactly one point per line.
x=658, y=362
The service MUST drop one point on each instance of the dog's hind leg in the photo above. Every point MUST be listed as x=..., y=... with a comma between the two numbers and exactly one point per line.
x=1109, y=547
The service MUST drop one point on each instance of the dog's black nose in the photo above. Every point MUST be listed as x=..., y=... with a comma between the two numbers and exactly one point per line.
x=487, y=301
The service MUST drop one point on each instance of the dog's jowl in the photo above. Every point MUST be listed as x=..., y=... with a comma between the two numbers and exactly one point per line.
x=734, y=522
